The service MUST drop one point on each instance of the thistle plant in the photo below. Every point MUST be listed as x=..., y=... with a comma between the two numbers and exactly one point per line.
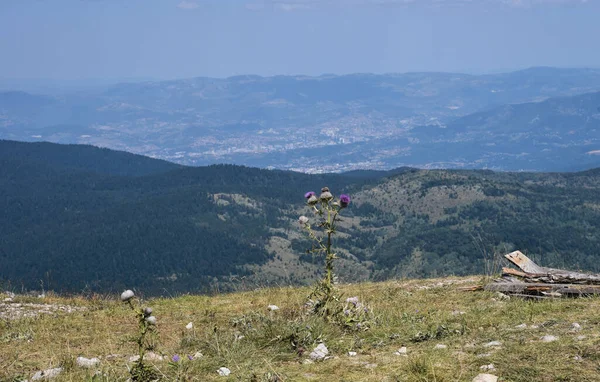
x=324, y=299
x=141, y=372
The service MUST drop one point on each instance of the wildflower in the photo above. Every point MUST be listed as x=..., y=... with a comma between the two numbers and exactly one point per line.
x=312, y=200
x=151, y=320
x=309, y=194
x=344, y=200
x=147, y=312
x=127, y=295
x=190, y=358
x=352, y=300
x=176, y=358
x=303, y=220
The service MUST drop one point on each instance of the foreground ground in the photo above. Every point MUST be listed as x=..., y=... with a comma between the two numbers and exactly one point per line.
x=237, y=331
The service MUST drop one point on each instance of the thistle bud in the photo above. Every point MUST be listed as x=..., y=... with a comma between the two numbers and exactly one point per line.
x=127, y=295
x=312, y=200
x=344, y=200
x=326, y=196
x=147, y=312
x=325, y=189
x=302, y=220
x=309, y=194
x=151, y=320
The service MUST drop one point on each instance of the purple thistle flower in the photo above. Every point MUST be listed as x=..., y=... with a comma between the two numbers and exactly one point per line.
x=309, y=194
x=176, y=358
x=190, y=358
x=344, y=200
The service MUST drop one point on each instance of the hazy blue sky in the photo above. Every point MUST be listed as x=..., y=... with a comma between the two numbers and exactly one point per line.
x=75, y=39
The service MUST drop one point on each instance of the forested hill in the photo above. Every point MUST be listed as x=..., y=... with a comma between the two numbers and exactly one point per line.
x=79, y=218
x=84, y=158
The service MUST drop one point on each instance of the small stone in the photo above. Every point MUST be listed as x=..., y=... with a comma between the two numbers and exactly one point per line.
x=403, y=351
x=502, y=296
x=319, y=353
x=457, y=312
x=534, y=327
x=189, y=326
x=198, y=355
x=575, y=326
x=370, y=365
x=485, y=378
x=151, y=356
x=581, y=338
x=134, y=358
x=307, y=362
x=224, y=372
x=493, y=344
x=272, y=307
x=489, y=367
x=549, y=338
x=440, y=346
x=47, y=374
x=484, y=355
x=577, y=358
x=8, y=299
x=522, y=326
x=87, y=362
x=351, y=354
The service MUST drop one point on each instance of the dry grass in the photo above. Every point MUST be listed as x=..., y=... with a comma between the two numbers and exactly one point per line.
x=417, y=314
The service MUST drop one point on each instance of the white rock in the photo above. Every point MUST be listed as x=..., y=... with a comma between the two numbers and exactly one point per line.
x=485, y=378
x=8, y=299
x=502, y=296
x=489, y=367
x=87, y=362
x=319, y=353
x=457, y=312
x=224, y=372
x=189, y=326
x=484, y=355
x=47, y=374
x=351, y=354
x=403, y=351
x=577, y=358
x=534, y=327
x=134, y=358
x=493, y=344
x=272, y=307
x=549, y=338
x=522, y=326
x=581, y=338
x=440, y=346
x=575, y=326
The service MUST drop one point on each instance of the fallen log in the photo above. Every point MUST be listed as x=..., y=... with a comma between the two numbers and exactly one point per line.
x=544, y=290
x=538, y=274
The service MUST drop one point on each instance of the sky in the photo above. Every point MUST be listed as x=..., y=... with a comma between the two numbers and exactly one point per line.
x=167, y=39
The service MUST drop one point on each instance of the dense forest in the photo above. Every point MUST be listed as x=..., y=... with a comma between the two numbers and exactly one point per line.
x=76, y=218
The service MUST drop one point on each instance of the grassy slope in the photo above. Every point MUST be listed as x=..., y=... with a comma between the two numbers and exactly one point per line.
x=403, y=310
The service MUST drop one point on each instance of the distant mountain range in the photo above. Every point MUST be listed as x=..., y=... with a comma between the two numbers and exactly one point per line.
x=77, y=218
x=539, y=119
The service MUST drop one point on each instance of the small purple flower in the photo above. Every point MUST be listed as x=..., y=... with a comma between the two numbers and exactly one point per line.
x=344, y=200
x=309, y=194
x=176, y=358
x=190, y=358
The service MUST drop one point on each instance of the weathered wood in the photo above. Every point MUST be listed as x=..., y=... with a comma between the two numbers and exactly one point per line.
x=542, y=289
x=535, y=273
